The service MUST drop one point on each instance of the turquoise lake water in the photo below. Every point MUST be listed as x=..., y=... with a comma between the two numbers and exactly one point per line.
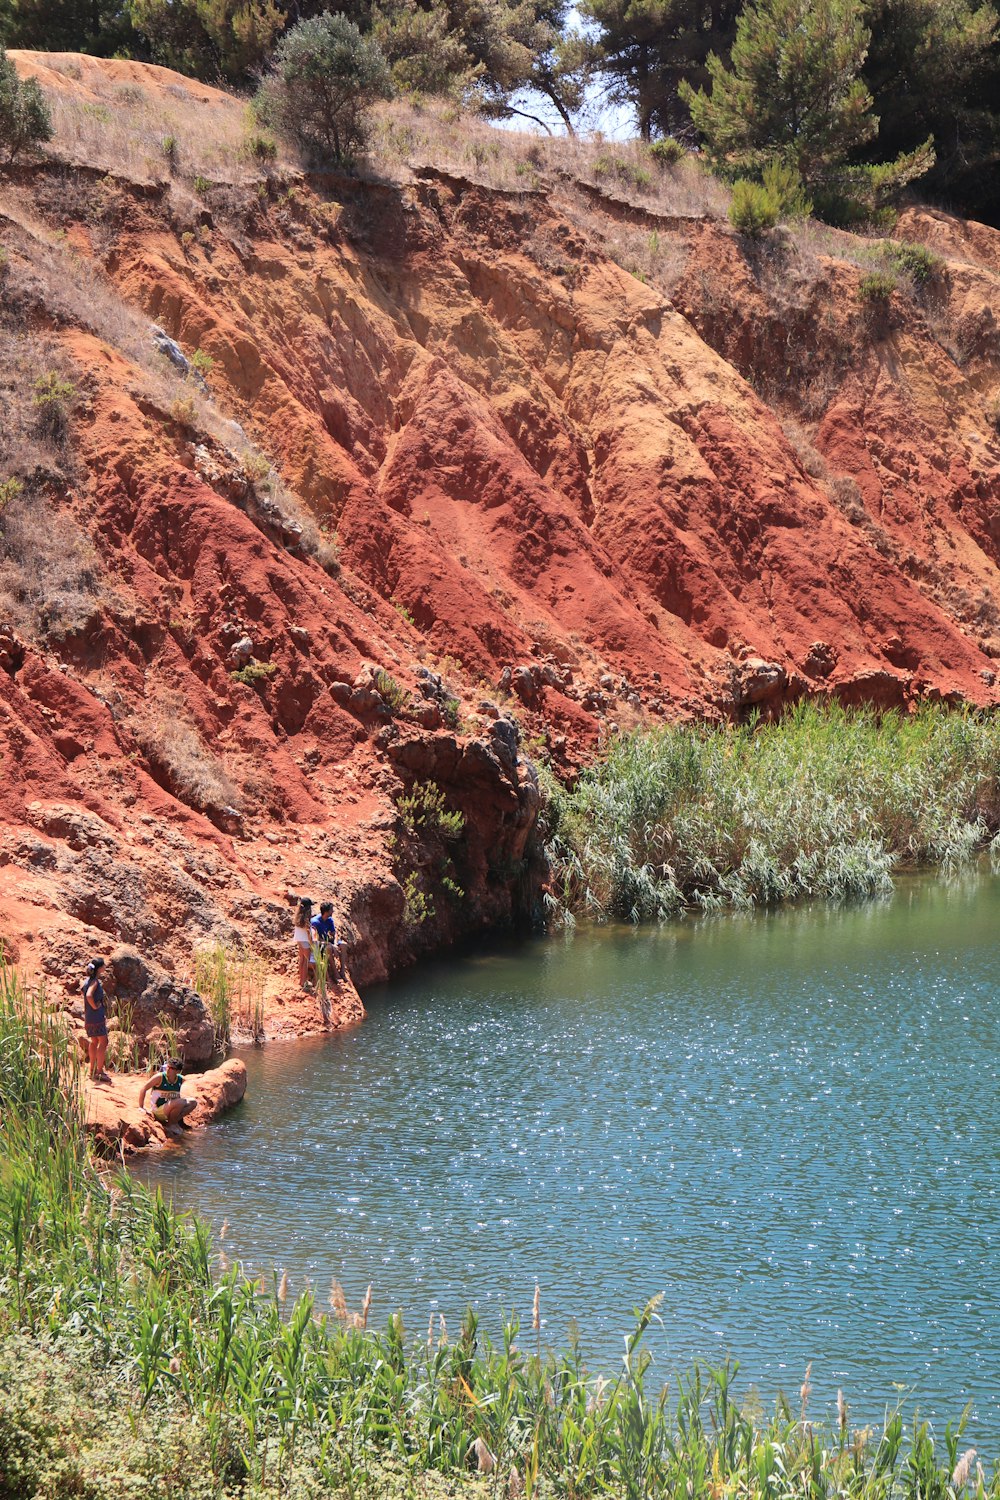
x=788, y=1124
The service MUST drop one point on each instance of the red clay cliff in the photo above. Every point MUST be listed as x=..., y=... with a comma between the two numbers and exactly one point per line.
x=373, y=485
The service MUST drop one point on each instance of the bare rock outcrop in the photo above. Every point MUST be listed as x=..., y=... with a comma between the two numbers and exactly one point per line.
x=114, y=1119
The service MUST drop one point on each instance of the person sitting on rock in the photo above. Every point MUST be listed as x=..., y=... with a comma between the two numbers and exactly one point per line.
x=95, y=1021
x=324, y=931
x=170, y=1106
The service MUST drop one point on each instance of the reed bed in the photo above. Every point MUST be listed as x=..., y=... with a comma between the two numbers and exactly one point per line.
x=231, y=983
x=826, y=802
x=131, y=1351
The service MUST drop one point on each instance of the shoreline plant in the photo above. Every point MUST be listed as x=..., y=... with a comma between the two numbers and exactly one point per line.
x=827, y=802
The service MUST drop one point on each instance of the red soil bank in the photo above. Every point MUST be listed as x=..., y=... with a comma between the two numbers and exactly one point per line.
x=557, y=497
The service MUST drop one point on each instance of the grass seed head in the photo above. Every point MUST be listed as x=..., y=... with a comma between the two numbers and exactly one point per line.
x=960, y=1477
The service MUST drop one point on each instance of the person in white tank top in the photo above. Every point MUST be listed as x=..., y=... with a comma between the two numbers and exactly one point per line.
x=302, y=936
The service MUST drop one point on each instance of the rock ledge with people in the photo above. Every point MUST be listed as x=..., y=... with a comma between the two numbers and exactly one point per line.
x=133, y=1009
x=121, y=1121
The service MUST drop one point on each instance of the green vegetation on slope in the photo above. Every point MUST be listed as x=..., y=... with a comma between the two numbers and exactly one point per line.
x=892, y=89
x=131, y=1354
x=824, y=803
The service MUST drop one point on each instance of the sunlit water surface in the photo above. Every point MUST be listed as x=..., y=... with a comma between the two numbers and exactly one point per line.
x=787, y=1124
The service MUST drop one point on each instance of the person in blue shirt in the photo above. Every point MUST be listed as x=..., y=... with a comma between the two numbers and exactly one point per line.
x=324, y=932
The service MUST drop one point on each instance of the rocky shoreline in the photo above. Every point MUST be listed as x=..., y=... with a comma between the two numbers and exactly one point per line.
x=153, y=1013
x=118, y=1126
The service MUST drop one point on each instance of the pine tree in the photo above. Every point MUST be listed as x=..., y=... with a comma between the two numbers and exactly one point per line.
x=792, y=90
x=933, y=67
x=208, y=38
x=647, y=48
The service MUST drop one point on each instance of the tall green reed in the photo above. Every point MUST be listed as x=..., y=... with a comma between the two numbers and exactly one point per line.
x=231, y=982
x=827, y=802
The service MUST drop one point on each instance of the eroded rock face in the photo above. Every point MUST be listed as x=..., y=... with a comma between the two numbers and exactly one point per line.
x=537, y=501
x=157, y=1006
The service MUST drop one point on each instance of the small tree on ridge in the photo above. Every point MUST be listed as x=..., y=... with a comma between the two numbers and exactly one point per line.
x=24, y=115
x=325, y=79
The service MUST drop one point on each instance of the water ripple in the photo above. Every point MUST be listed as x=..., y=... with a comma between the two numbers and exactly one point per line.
x=787, y=1124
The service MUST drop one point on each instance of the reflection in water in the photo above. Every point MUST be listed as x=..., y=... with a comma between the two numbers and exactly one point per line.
x=787, y=1123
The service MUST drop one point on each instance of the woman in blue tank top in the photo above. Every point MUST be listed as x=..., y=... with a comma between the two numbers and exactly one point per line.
x=95, y=1020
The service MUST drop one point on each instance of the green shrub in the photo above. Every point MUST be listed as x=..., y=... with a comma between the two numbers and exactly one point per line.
x=628, y=172
x=917, y=262
x=10, y=489
x=203, y=364
x=325, y=78
x=169, y=148
x=424, y=810
x=396, y=697
x=52, y=399
x=782, y=181
x=753, y=209
x=667, y=152
x=201, y=185
x=417, y=905
x=24, y=116
x=876, y=289
x=451, y=713
x=262, y=148
x=254, y=671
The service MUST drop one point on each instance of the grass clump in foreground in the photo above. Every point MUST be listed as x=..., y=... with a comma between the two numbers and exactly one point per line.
x=130, y=1353
x=826, y=802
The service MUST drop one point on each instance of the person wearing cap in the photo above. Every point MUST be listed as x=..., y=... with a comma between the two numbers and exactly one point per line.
x=170, y=1106
x=95, y=1021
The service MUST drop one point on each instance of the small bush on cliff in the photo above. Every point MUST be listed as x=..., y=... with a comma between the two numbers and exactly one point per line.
x=876, y=289
x=779, y=195
x=667, y=152
x=396, y=697
x=24, y=115
x=253, y=672
x=10, y=489
x=424, y=810
x=753, y=209
x=53, y=400
x=325, y=79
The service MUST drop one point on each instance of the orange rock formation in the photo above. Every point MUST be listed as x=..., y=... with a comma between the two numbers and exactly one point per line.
x=524, y=494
